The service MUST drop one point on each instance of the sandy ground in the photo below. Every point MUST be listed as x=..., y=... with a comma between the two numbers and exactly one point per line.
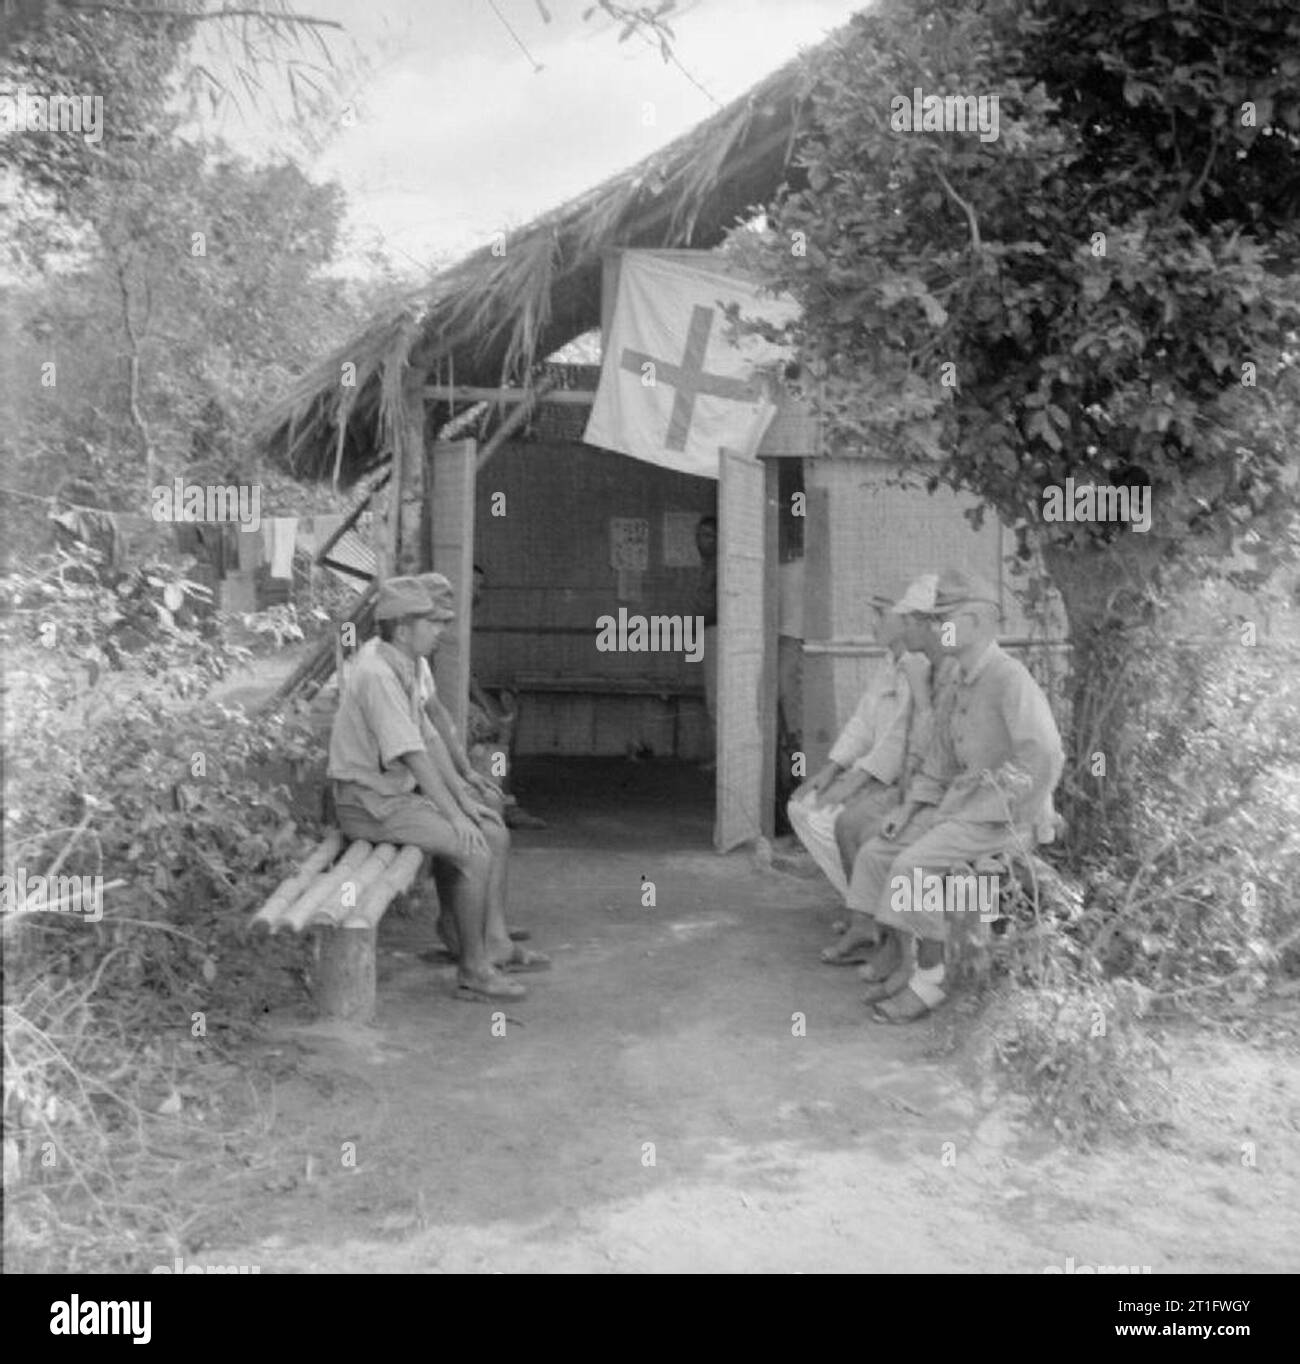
x=650, y=1108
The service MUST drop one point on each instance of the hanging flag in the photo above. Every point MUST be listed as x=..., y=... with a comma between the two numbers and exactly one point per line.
x=673, y=385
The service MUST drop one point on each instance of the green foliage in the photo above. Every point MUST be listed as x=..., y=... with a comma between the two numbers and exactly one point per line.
x=1179, y=886
x=174, y=286
x=909, y=251
x=127, y=773
x=1081, y=1053
x=1192, y=856
x=215, y=334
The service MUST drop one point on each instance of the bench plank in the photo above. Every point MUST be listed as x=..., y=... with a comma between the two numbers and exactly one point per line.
x=298, y=915
x=344, y=979
x=393, y=882
x=293, y=886
x=333, y=912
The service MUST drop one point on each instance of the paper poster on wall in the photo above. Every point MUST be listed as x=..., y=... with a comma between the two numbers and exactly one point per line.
x=629, y=544
x=679, y=539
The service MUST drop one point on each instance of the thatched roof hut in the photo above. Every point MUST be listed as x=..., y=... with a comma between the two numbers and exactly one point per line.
x=491, y=318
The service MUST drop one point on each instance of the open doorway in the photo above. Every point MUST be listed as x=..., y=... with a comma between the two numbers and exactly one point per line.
x=610, y=744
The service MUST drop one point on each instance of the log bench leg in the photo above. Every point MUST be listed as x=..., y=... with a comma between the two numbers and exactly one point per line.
x=345, y=976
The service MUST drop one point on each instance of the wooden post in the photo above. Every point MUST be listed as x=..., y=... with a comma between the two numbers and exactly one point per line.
x=389, y=530
x=408, y=554
x=451, y=523
x=742, y=648
x=820, y=717
x=771, y=626
x=345, y=975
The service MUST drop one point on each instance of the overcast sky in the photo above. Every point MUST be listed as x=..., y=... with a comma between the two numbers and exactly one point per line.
x=457, y=136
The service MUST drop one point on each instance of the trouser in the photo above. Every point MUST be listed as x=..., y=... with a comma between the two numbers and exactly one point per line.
x=932, y=845
x=819, y=827
x=413, y=820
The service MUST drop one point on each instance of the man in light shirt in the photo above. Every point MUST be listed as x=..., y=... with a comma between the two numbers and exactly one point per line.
x=844, y=803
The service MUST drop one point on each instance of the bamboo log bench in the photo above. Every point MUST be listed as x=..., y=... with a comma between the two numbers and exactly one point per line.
x=342, y=888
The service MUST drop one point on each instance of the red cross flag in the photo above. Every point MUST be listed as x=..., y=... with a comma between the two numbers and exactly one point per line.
x=673, y=386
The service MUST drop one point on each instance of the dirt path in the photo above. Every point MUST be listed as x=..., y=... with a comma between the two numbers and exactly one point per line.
x=672, y=1025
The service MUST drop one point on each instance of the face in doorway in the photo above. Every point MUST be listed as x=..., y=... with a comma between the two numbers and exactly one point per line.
x=706, y=539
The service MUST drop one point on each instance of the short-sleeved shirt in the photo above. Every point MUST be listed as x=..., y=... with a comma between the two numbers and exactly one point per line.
x=380, y=718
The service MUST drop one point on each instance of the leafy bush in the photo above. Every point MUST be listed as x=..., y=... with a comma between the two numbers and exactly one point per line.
x=1193, y=854
x=1081, y=1053
x=1176, y=882
x=119, y=768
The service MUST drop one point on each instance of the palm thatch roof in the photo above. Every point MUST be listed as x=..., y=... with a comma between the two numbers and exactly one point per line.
x=489, y=319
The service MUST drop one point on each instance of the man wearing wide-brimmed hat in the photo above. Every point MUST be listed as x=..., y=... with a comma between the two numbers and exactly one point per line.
x=984, y=787
x=388, y=787
x=835, y=810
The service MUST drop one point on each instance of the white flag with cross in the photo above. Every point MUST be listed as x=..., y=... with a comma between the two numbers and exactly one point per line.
x=674, y=387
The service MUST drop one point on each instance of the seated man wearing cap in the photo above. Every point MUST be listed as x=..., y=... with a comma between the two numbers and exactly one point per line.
x=847, y=800
x=388, y=787
x=984, y=787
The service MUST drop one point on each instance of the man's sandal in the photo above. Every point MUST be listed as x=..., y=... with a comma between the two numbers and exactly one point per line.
x=921, y=996
x=489, y=986
x=522, y=959
x=896, y=981
x=882, y=963
x=449, y=932
x=852, y=955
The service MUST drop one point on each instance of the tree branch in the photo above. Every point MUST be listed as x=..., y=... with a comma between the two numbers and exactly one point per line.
x=133, y=375
x=151, y=12
x=965, y=208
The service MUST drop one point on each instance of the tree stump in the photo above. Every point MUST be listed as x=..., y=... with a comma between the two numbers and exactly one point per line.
x=345, y=976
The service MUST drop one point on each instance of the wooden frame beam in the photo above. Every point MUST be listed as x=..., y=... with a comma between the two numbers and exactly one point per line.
x=566, y=397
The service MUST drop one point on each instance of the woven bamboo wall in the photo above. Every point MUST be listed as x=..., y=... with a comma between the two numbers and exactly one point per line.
x=865, y=536
x=549, y=578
